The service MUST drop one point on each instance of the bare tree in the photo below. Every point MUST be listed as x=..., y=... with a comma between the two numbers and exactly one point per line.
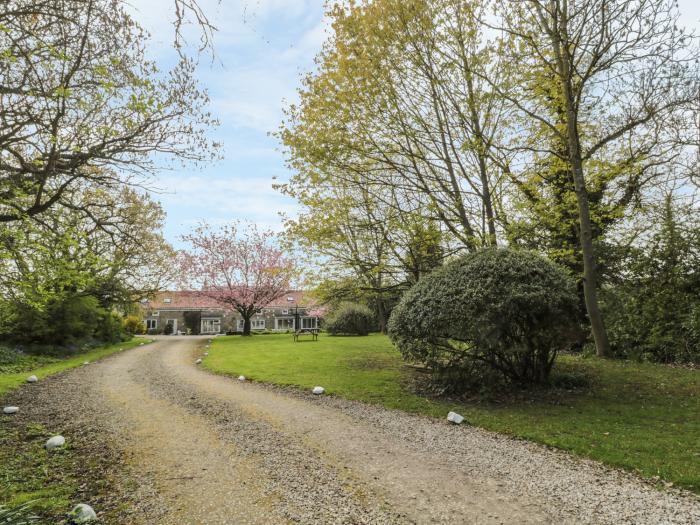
x=80, y=103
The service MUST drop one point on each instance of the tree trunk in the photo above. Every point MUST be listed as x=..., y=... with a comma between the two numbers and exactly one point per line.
x=246, y=325
x=590, y=280
x=381, y=313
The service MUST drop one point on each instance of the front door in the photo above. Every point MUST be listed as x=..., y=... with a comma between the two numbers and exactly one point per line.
x=173, y=324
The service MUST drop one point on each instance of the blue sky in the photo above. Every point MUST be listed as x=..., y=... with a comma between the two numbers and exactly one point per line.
x=262, y=49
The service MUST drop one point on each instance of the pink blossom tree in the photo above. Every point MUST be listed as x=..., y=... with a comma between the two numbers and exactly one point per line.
x=241, y=269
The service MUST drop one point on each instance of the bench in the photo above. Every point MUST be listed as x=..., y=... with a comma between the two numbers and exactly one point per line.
x=313, y=332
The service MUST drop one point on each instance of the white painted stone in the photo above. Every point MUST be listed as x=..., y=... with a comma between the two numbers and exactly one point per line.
x=10, y=410
x=198, y=361
x=241, y=378
x=141, y=344
x=55, y=442
x=318, y=390
x=32, y=379
x=86, y=362
x=83, y=513
x=206, y=354
x=454, y=417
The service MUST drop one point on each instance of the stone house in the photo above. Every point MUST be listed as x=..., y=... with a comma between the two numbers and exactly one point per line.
x=187, y=312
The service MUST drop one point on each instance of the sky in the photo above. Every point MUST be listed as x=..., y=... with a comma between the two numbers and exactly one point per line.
x=263, y=47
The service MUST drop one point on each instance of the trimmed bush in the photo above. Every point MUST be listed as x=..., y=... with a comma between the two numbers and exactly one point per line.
x=495, y=315
x=350, y=319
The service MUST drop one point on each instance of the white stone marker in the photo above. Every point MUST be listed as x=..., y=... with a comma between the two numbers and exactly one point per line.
x=55, y=442
x=83, y=513
x=198, y=361
x=206, y=354
x=318, y=390
x=454, y=417
x=10, y=410
x=241, y=378
x=32, y=379
x=86, y=362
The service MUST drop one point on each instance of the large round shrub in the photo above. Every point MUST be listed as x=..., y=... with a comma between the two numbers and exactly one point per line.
x=350, y=319
x=495, y=312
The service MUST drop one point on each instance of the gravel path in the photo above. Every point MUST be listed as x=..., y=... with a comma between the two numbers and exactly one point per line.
x=208, y=449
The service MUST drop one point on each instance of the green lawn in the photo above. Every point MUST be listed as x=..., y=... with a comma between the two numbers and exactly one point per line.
x=14, y=374
x=638, y=416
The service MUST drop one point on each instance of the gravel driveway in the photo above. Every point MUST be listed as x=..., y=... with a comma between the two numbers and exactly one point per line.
x=208, y=449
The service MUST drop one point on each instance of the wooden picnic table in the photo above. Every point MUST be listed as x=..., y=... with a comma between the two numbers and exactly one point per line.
x=313, y=332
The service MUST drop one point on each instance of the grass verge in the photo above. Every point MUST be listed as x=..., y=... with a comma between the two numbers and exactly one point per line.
x=50, y=483
x=45, y=366
x=638, y=416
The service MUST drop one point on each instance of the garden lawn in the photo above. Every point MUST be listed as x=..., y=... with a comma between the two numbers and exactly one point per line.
x=41, y=366
x=637, y=416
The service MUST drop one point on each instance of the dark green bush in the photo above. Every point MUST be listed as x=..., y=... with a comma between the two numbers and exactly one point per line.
x=66, y=322
x=350, y=319
x=497, y=314
x=652, y=305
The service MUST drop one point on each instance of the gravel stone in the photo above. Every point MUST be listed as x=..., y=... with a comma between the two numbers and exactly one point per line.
x=83, y=513
x=454, y=417
x=55, y=442
x=10, y=410
x=32, y=379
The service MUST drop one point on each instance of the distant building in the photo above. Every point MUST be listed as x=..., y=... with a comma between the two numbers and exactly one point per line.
x=189, y=312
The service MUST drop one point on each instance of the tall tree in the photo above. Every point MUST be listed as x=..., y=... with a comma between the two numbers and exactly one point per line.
x=80, y=103
x=620, y=80
x=243, y=270
x=398, y=101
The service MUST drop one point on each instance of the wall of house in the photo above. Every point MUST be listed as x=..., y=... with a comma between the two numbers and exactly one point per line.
x=229, y=321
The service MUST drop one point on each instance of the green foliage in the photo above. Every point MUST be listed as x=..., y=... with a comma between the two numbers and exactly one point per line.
x=66, y=321
x=133, y=324
x=350, y=319
x=13, y=362
x=653, y=306
x=20, y=515
x=493, y=314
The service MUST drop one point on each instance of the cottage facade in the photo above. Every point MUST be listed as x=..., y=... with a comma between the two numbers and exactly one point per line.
x=184, y=312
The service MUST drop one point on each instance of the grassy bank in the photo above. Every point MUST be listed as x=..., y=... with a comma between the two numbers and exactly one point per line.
x=15, y=373
x=51, y=483
x=638, y=416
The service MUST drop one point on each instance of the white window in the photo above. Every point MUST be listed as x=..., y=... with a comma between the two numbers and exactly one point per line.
x=151, y=324
x=211, y=326
x=255, y=324
x=290, y=299
x=309, y=322
x=167, y=300
x=285, y=312
x=144, y=300
x=155, y=314
x=284, y=324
